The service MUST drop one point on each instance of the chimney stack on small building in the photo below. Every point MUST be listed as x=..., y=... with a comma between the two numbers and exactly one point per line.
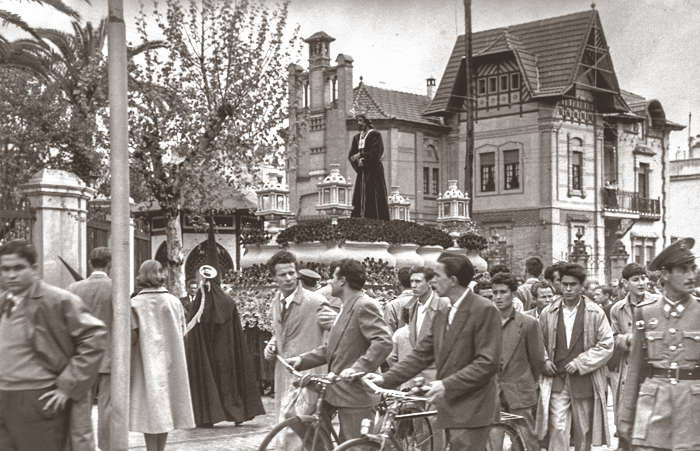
x=431, y=86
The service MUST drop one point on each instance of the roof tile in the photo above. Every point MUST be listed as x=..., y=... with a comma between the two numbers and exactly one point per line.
x=379, y=103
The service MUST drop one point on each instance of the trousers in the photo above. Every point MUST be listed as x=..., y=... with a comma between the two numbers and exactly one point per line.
x=26, y=426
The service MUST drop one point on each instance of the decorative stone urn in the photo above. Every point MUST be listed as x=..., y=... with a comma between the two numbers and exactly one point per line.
x=480, y=265
x=406, y=255
x=358, y=250
x=258, y=254
x=430, y=254
x=307, y=252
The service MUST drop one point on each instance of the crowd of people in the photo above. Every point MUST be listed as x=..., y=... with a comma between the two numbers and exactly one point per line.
x=187, y=369
x=553, y=348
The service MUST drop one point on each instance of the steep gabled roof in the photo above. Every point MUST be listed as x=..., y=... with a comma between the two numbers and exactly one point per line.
x=379, y=103
x=551, y=54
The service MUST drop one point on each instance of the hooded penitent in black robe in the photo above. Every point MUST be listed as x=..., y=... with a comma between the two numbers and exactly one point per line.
x=221, y=372
x=369, y=199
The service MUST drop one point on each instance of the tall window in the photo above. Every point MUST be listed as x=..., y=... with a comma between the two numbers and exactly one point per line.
x=481, y=86
x=643, y=180
x=576, y=170
x=488, y=165
x=436, y=181
x=511, y=161
x=426, y=180
x=644, y=250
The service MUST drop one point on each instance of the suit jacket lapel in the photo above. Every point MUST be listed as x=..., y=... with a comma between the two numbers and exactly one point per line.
x=439, y=326
x=339, y=328
x=511, y=338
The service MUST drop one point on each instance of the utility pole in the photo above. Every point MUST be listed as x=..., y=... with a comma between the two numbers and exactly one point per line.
x=121, y=248
x=469, y=103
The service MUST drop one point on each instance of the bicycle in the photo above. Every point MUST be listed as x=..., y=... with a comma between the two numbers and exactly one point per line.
x=391, y=427
x=401, y=422
x=305, y=432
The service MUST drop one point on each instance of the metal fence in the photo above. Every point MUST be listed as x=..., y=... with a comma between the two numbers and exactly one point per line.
x=16, y=224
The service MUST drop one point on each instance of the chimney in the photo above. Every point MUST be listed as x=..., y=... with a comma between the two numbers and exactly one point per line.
x=431, y=86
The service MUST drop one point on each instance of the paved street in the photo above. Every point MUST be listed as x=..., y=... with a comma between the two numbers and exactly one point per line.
x=246, y=437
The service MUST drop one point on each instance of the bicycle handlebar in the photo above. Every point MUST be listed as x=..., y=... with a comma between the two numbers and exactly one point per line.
x=393, y=393
x=328, y=379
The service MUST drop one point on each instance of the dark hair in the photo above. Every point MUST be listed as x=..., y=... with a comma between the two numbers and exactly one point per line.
x=150, y=275
x=533, y=266
x=100, y=257
x=541, y=285
x=633, y=269
x=427, y=272
x=459, y=266
x=21, y=248
x=573, y=270
x=550, y=270
x=507, y=279
x=190, y=282
x=368, y=121
x=482, y=285
x=281, y=258
x=495, y=269
x=352, y=270
x=405, y=277
x=606, y=290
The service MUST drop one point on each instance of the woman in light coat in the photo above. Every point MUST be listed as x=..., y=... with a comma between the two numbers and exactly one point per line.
x=160, y=390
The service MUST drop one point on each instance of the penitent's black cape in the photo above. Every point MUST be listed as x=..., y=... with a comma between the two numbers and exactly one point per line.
x=221, y=372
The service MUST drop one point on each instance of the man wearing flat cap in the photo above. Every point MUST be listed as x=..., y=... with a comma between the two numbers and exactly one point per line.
x=309, y=279
x=662, y=395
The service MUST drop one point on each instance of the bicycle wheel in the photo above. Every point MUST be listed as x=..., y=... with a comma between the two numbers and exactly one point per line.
x=296, y=435
x=504, y=438
x=358, y=444
x=414, y=434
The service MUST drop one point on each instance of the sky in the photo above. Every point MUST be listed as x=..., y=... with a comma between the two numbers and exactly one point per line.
x=398, y=44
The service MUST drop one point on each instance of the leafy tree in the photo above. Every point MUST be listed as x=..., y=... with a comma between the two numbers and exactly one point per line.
x=206, y=112
x=9, y=18
x=33, y=131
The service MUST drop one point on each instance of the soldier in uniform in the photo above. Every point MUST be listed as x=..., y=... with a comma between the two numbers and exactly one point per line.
x=662, y=393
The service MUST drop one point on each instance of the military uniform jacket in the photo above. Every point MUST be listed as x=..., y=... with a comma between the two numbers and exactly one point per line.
x=664, y=412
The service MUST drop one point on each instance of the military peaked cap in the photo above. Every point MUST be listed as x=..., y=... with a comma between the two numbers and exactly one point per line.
x=309, y=275
x=675, y=254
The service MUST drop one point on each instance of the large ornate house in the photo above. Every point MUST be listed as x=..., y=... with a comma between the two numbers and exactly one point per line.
x=564, y=162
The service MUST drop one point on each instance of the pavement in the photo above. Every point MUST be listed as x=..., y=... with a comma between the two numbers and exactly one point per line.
x=247, y=436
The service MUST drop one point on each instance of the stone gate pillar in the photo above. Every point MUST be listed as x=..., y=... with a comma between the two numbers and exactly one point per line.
x=60, y=199
x=618, y=258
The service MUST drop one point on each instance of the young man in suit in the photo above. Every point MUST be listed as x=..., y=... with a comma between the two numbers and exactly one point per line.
x=358, y=342
x=423, y=307
x=96, y=293
x=188, y=299
x=465, y=344
x=543, y=293
x=522, y=357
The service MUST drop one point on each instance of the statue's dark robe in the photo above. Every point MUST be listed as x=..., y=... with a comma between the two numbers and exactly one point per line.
x=369, y=199
x=221, y=372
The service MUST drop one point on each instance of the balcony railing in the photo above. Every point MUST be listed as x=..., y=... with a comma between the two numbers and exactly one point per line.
x=627, y=201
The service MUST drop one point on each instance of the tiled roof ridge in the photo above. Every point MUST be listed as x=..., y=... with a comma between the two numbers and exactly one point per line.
x=391, y=90
x=496, y=41
x=361, y=87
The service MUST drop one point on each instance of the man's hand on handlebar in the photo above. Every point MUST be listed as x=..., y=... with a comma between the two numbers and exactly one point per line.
x=294, y=362
x=374, y=377
x=348, y=375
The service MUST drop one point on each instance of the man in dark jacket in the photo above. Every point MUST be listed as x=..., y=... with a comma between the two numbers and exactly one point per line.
x=51, y=347
x=465, y=344
x=96, y=293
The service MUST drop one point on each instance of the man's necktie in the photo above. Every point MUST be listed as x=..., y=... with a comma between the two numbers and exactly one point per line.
x=8, y=307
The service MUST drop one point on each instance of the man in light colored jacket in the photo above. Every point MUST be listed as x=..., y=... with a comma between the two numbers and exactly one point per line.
x=299, y=319
x=579, y=341
x=634, y=278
